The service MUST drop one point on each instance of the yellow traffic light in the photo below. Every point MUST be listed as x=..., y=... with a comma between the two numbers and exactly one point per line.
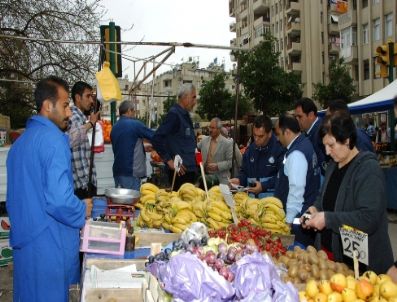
x=382, y=55
x=384, y=73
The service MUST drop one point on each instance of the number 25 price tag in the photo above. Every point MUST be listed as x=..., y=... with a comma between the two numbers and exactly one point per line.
x=354, y=240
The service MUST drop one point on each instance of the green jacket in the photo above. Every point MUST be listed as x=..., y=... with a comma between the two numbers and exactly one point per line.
x=361, y=203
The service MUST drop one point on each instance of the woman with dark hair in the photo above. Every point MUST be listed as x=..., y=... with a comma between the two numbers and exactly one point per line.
x=353, y=194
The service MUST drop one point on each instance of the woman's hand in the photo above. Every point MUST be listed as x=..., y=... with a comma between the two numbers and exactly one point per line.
x=316, y=222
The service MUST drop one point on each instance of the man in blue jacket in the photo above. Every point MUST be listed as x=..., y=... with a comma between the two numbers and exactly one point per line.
x=261, y=160
x=127, y=136
x=309, y=123
x=45, y=215
x=364, y=142
x=176, y=136
x=298, y=180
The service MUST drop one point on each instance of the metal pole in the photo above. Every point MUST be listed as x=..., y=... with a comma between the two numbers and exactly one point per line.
x=235, y=116
x=391, y=111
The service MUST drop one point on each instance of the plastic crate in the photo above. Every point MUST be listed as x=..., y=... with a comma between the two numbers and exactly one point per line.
x=103, y=237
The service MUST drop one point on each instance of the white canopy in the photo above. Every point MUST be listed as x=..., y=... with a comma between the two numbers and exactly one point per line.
x=379, y=101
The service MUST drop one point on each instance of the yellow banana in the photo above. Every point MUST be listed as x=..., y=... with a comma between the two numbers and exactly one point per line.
x=220, y=205
x=181, y=220
x=146, y=198
x=276, y=210
x=138, y=205
x=273, y=200
x=214, y=216
x=144, y=216
x=174, y=229
x=148, y=192
x=149, y=186
x=180, y=205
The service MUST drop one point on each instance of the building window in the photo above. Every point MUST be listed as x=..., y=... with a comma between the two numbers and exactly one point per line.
x=366, y=69
x=365, y=33
x=365, y=3
x=388, y=26
x=377, y=29
x=167, y=83
x=345, y=38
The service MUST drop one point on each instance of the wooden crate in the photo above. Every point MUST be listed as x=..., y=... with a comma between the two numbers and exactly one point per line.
x=117, y=294
x=145, y=239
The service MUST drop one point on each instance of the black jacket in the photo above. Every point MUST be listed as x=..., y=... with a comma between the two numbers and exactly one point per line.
x=361, y=203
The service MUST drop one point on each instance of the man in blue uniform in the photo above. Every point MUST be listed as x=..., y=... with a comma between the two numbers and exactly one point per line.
x=298, y=180
x=44, y=213
x=364, y=142
x=309, y=123
x=176, y=136
x=129, y=165
x=261, y=160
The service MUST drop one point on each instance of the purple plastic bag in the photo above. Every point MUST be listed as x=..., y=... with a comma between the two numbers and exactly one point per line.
x=256, y=275
x=187, y=278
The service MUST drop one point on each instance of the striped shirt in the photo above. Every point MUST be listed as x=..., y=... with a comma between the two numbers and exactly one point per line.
x=81, y=150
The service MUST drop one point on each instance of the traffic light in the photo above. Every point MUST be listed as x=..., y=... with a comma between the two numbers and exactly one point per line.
x=382, y=55
x=111, y=52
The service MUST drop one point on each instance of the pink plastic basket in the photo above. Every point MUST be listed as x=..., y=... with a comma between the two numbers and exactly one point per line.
x=103, y=237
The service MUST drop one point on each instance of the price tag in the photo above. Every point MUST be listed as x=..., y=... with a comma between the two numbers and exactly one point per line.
x=354, y=240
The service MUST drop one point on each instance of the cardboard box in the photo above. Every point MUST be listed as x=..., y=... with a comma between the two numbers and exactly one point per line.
x=142, y=294
x=4, y=227
x=5, y=252
x=145, y=239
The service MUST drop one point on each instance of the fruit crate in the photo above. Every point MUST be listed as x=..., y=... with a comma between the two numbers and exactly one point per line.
x=103, y=237
x=149, y=291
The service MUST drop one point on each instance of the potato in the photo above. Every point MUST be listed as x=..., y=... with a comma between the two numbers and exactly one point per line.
x=289, y=254
x=322, y=264
x=330, y=273
x=323, y=275
x=315, y=271
x=313, y=259
x=322, y=255
x=293, y=271
x=311, y=249
x=292, y=262
x=303, y=275
x=331, y=265
x=297, y=248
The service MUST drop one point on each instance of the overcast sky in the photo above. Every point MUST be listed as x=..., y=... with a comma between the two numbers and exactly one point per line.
x=195, y=21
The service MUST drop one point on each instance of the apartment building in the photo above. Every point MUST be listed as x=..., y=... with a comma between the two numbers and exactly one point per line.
x=169, y=82
x=306, y=32
x=366, y=25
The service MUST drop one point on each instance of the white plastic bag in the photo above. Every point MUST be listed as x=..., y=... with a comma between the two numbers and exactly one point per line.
x=99, y=145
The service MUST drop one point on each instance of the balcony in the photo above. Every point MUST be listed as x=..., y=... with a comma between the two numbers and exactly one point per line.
x=232, y=11
x=260, y=6
x=232, y=27
x=349, y=54
x=260, y=22
x=333, y=28
x=233, y=42
x=294, y=28
x=347, y=20
x=244, y=30
x=294, y=48
x=293, y=8
x=333, y=48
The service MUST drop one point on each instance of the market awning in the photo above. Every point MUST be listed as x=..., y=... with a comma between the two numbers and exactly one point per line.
x=379, y=101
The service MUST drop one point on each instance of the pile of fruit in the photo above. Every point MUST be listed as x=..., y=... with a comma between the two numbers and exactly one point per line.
x=106, y=128
x=304, y=265
x=267, y=212
x=175, y=211
x=246, y=233
x=369, y=287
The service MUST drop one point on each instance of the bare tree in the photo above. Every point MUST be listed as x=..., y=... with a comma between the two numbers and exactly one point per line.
x=30, y=60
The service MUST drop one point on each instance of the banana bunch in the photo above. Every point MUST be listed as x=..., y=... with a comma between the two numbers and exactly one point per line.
x=149, y=217
x=240, y=199
x=178, y=216
x=215, y=193
x=218, y=214
x=272, y=216
x=187, y=192
x=148, y=195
